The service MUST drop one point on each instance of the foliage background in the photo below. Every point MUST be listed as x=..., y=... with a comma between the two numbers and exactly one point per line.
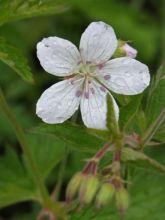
x=139, y=21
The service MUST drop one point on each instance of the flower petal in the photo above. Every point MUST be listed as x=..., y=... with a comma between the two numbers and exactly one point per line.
x=125, y=76
x=98, y=43
x=94, y=107
x=58, y=56
x=59, y=102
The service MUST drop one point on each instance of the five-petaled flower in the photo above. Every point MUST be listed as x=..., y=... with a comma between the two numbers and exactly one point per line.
x=89, y=76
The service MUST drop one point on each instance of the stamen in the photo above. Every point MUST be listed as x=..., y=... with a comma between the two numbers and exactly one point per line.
x=47, y=45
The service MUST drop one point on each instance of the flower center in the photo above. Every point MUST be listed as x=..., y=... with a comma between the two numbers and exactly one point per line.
x=87, y=70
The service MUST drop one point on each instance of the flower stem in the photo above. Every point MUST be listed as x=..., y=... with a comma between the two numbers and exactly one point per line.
x=91, y=166
x=45, y=199
x=148, y=135
x=117, y=156
x=56, y=191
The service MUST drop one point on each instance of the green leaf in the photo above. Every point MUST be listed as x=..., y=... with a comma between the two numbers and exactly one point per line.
x=146, y=195
x=142, y=160
x=156, y=102
x=20, y=9
x=15, y=183
x=155, y=109
x=47, y=151
x=153, y=128
x=15, y=60
x=160, y=135
x=73, y=135
x=160, y=74
x=128, y=111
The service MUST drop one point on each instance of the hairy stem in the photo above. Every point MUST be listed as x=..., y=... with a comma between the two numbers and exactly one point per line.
x=153, y=128
x=91, y=166
x=117, y=156
x=45, y=199
x=56, y=191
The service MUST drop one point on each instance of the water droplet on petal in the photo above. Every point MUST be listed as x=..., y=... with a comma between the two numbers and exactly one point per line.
x=127, y=73
x=60, y=119
x=120, y=81
x=46, y=45
x=45, y=119
x=59, y=106
x=39, y=109
x=69, y=103
x=141, y=72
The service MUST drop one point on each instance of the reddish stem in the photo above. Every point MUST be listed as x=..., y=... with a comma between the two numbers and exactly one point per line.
x=91, y=166
x=117, y=155
x=46, y=213
x=116, y=164
x=102, y=151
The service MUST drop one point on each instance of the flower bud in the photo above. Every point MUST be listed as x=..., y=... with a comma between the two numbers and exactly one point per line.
x=130, y=51
x=105, y=194
x=122, y=199
x=88, y=189
x=124, y=49
x=73, y=186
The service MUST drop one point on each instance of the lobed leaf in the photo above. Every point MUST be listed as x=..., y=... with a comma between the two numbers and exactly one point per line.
x=155, y=109
x=128, y=111
x=73, y=135
x=20, y=9
x=47, y=152
x=13, y=57
x=156, y=102
x=142, y=160
x=15, y=183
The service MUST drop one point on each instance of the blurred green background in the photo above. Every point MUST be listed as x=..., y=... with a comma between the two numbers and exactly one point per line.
x=138, y=21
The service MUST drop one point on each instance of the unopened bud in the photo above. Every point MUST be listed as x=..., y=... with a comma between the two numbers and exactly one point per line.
x=73, y=186
x=122, y=199
x=88, y=189
x=105, y=194
x=124, y=49
x=130, y=51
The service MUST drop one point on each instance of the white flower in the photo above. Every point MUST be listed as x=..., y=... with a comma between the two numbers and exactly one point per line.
x=130, y=51
x=89, y=75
